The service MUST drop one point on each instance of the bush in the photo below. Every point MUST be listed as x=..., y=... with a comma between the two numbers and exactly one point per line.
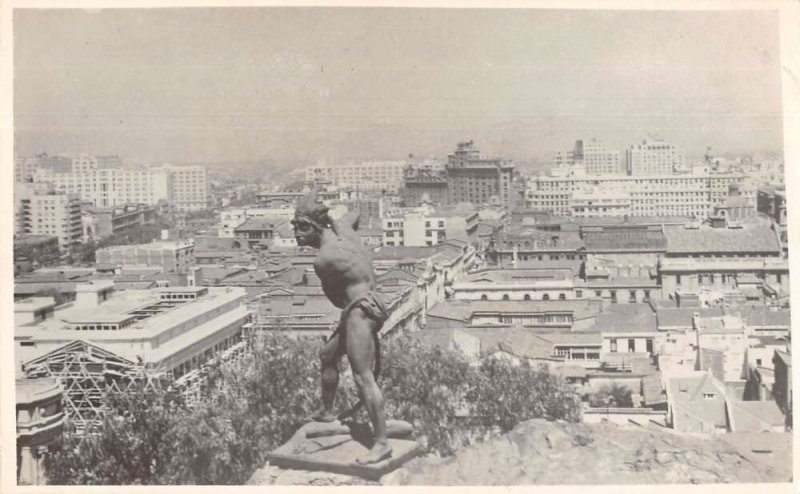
x=251, y=406
x=612, y=395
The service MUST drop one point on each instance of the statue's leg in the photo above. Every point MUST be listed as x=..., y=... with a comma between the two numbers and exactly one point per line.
x=329, y=358
x=361, y=349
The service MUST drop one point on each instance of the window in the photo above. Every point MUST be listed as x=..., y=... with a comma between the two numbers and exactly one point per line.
x=578, y=293
x=561, y=296
x=709, y=396
x=546, y=297
x=505, y=296
x=613, y=345
x=631, y=345
x=527, y=296
x=613, y=296
x=484, y=297
x=632, y=297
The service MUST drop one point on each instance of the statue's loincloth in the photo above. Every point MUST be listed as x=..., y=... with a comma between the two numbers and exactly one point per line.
x=371, y=304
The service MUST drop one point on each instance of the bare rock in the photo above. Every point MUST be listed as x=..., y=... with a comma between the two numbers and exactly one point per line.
x=550, y=453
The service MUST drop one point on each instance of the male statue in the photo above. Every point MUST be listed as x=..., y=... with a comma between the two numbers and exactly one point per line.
x=344, y=268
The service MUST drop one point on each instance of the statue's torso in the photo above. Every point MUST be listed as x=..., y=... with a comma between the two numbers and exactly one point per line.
x=344, y=270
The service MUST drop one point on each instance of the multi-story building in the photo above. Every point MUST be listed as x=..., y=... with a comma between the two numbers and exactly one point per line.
x=103, y=181
x=593, y=155
x=474, y=178
x=369, y=175
x=171, y=329
x=53, y=213
x=109, y=187
x=107, y=335
x=171, y=257
x=429, y=227
x=231, y=218
x=591, y=203
x=100, y=223
x=771, y=202
x=188, y=187
x=691, y=194
x=424, y=180
x=655, y=157
x=724, y=265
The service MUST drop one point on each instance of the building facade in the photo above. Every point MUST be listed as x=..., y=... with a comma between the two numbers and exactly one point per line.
x=55, y=214
x=171, y=257
x=690, y=195
x=368, y=175
x=593, y=155
x=655, y=157
x=477, y=179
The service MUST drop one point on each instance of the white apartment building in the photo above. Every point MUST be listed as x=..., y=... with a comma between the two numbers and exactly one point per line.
x=109, y=187
x=369, y=175
x=55, y=214
x=689, y=194
x=102, y=181
x=188, y=186
x=593, y=155
x=655, y=157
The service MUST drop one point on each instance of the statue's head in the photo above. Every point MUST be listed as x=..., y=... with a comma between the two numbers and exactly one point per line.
x=310, y=219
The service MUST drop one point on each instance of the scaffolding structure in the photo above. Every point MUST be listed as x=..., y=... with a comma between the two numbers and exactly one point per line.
x=87, y=374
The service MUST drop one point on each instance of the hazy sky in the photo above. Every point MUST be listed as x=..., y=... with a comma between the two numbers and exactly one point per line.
x=288, y=84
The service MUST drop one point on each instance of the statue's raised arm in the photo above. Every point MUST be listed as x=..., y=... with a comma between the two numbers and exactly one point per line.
x=346, y=226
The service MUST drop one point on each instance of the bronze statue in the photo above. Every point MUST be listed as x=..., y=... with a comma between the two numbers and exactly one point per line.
x=348, y=280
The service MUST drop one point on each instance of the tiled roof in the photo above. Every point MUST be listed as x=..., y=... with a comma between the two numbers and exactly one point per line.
x=751, y=238
x=256, y=224
x=695, y=385
x=766, y=317
x=566, y=338
x=611, y=241
x=713, y=412
x=682, y=317
x=626, y=318
x=755, y=416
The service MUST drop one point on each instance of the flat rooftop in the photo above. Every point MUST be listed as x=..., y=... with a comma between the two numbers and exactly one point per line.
x=120, y=306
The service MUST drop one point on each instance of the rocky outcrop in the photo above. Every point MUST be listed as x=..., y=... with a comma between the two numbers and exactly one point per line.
x=548, y=453
x=552, y=453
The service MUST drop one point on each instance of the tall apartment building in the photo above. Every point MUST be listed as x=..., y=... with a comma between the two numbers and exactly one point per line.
x=593, y=155
x=474, y=178
x=691, y=194
x=369, y=175
x=102, y=181
x=49, y=213
x=654, y=157
x=188, y=186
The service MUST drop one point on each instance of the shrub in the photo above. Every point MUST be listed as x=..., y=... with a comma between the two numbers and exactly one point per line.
x=251, y=406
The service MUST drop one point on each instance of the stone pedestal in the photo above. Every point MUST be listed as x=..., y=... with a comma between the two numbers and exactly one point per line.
x=333, y=447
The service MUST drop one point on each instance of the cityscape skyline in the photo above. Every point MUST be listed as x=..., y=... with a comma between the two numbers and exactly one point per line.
x=139, y=83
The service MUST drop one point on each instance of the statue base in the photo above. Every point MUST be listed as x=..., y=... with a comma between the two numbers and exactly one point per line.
x=334, y=446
